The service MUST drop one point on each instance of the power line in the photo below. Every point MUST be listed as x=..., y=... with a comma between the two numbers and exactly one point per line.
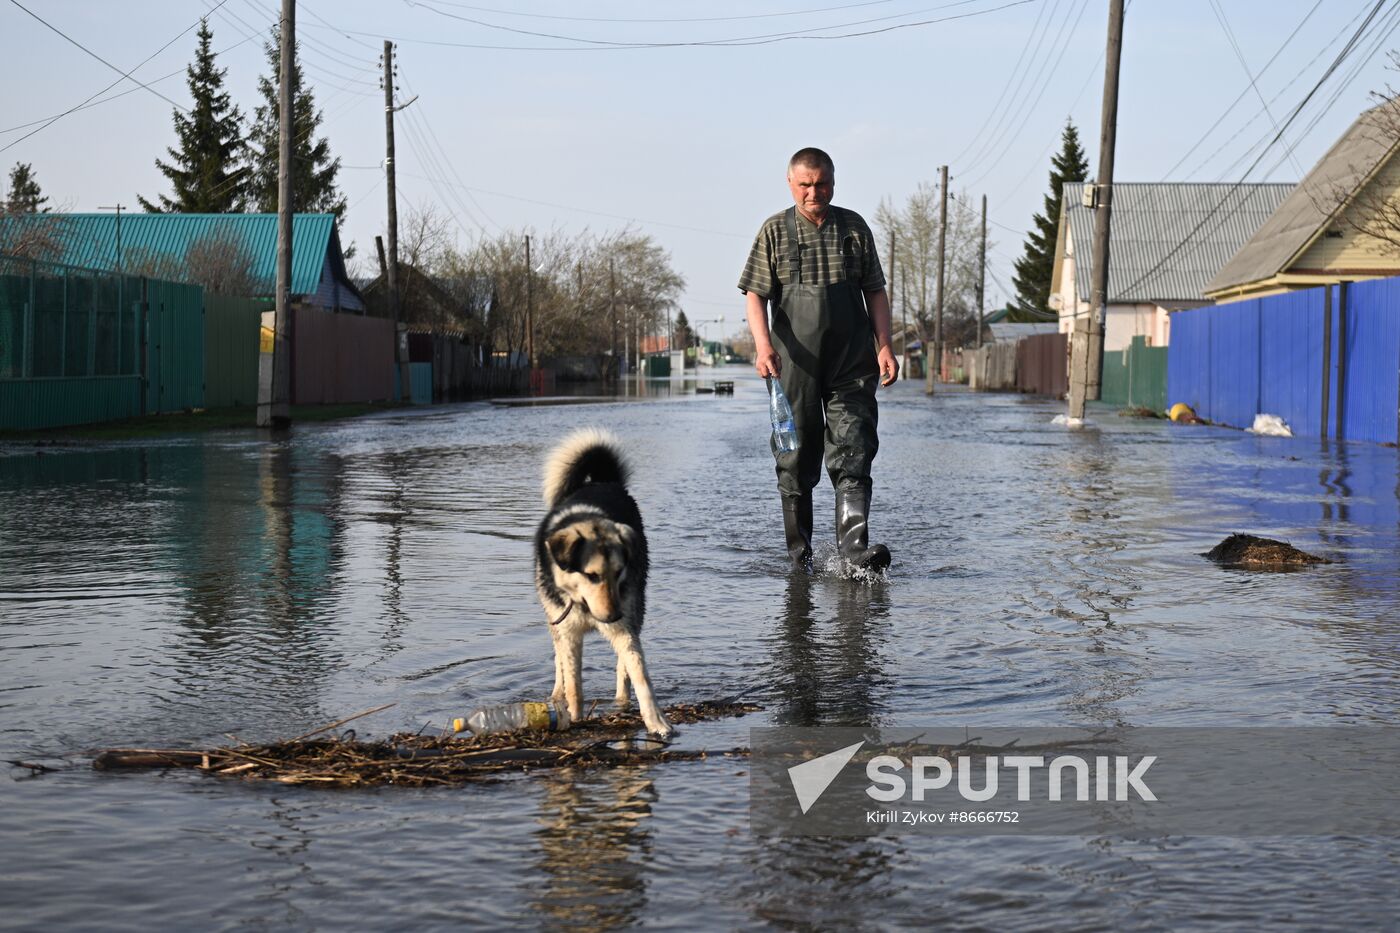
x=125, y=76
x=1239, y=55
x=722, y=43
x=693, y=19
x=1293, y=115
x=1035, y=103
x=739, y=40
x=451, y=165
x=1010, y=77
x=1017, y=98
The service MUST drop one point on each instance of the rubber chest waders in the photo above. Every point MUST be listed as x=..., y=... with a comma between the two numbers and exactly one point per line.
x=823, y=336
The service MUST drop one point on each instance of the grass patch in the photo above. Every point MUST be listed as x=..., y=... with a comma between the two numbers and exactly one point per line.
x=191, y=422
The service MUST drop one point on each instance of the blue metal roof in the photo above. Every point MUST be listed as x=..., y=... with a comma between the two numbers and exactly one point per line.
x=90, y=240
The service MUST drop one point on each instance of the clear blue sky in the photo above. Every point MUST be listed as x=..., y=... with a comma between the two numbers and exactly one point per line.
x=689, y=142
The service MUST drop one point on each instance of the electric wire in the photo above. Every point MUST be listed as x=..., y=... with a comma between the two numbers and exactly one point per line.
x=691, y=19
x=1288, y=121
x=1239, y=56
x=125, y=76
x=1017, y=96
x=1034, y=104
x=692, y=44
x=1010, y=77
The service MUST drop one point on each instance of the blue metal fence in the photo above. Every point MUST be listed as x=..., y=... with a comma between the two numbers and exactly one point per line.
x=1326, y=360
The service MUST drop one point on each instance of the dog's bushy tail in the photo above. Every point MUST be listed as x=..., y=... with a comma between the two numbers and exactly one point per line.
x=588, y=456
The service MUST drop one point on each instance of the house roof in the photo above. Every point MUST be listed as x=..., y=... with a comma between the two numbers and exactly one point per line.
x=1012, y=332
x=1362, y=150
x=90, y=240
x=1150, y=220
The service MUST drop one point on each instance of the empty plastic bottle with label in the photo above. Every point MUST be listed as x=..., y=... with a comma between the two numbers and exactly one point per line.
x=780, y=413
x=542, y=717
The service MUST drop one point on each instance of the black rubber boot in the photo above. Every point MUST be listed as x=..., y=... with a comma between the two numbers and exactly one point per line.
x=797, y=527
x=852, y=531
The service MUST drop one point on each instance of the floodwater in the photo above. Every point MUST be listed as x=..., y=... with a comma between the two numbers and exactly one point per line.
x=178, y=592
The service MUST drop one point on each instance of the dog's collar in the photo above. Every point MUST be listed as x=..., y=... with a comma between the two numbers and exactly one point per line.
x=563, y=615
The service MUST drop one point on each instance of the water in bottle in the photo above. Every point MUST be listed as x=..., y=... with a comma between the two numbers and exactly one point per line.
x=780, y=413
x=541, y=717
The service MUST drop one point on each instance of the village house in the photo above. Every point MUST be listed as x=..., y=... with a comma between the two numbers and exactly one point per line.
x=1341, y=223
x=238, y=251
x=1167, y=241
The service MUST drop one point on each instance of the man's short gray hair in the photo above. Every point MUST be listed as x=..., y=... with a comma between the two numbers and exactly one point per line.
x=812, y=158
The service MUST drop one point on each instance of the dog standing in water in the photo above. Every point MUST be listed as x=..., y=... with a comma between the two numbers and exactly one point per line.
x=591, y=569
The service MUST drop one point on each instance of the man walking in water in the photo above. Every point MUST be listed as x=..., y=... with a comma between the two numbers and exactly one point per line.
x=829, y=343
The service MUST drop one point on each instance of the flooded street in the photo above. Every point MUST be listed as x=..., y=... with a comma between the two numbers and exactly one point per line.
x=171, y=594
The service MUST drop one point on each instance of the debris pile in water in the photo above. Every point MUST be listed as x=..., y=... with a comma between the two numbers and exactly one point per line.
x=1261, y=553
x=417, y=760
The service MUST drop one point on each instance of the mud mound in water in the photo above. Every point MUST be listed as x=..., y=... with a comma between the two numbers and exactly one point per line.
x=417, y=760
x=1261, y=553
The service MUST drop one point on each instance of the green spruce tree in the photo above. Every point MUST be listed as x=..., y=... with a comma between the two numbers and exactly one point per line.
x=24, y=196
x=313, y=170
x=1036, y=267
x=206, y=171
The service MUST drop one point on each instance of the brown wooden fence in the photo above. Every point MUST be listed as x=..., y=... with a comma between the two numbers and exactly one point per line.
x=1042, y=365
x=341, y=358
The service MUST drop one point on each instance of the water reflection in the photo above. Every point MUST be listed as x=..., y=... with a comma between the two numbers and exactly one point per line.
x=829, y=671
x=594, y=847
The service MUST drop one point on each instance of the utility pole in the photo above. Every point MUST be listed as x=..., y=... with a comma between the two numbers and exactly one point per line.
x=889, y=281
x=904, y=310
x=118, y=207
x=400, y=356
x=1087, y=341
x=935, y=357
x=612, y=313
x=529, y=311
x=982, y=276
x=275, y=362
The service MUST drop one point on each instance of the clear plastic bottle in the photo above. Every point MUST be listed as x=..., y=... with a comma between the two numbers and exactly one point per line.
x=780, y=413
x=542, y=717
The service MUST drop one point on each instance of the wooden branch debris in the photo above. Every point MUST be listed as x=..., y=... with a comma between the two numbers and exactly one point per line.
x=417, y=760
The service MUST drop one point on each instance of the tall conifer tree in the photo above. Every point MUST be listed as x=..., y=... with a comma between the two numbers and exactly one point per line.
x=24, y=196
x=207, y=171
x=1036, y=267
x=313, y=170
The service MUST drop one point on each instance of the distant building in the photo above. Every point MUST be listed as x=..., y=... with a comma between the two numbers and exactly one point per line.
x=1151, y=272
x=170, y=246
x=1327, y=230
x=425, y=304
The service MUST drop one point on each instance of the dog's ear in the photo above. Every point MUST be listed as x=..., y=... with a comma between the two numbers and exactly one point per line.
x=566, y=547
x=628, y=536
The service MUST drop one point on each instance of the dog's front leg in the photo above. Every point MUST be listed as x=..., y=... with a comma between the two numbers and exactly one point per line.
x=620, y=698
x=629, y=655
x=568, y=669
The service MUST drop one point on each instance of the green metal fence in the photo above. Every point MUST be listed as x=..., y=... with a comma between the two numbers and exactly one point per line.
x=83, y=345
x=231, y=350
x=1135, y=377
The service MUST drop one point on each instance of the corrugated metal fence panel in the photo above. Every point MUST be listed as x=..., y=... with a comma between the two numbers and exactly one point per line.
x=1372, y=349
x=175, y=346
x=1290, y=359
x=1113, y=380
x=341, y=358
x=27, y=404
x=1147, y=375
x=1234, y=377
x=1188, y=360
x=420, y=381
x=231, y=350
x=1264, y=356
